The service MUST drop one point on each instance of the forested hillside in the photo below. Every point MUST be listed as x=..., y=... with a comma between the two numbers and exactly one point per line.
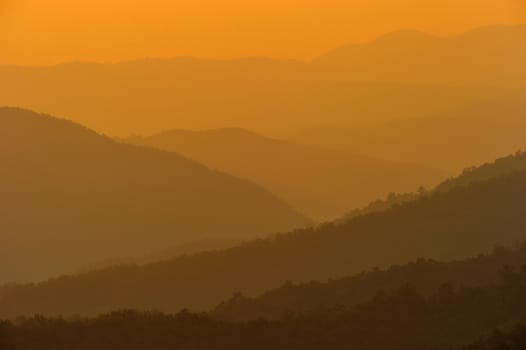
x=500, y=167
x=445, y=225
x=425, y=275
x=401, y=320
x=514, y=339
x=263, y=175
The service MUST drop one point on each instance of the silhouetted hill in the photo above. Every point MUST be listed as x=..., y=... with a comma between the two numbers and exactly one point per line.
x=489, y=56
x=399, y=76
x=70, y=197
x=401, y=320
x=379, y=205
x=187, y=248
x=451, y=141
x=445, y=225
x=321, y=183
x=426, y=276
x=500, y=167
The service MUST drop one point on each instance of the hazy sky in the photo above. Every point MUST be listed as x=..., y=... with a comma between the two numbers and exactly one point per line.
x=52, y=31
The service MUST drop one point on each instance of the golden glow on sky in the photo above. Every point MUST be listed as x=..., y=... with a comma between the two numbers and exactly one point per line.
x=52, y=31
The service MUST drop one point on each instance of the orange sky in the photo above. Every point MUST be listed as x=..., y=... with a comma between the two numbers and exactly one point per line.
x=53, y=31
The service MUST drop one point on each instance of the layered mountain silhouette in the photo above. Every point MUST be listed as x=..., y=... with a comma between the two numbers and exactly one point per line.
x=321, y=183
x=505, y=165
x=490, y=56
x=403, y=319
x=71, y=197
x=425, y=276
x=402, y=75
x=462, y=222
x=450, y=141
x=502, y=166
x=187, y=248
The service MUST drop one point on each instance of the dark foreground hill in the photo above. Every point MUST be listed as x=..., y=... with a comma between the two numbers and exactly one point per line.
x=462, y=222
x=70, y=197
x=321, y=183
x=401, y=320
x=514, y=339
x=426, y=276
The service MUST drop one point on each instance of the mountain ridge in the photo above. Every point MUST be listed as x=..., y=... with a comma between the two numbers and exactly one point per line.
x=136, y=200
x=321, y=183
x=260, y=93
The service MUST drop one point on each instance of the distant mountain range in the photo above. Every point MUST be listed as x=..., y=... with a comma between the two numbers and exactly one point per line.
x=321, y=183
x=401, y=75
x=444, y=225
x=491, y=56
x=451, y=141
x=70, y=197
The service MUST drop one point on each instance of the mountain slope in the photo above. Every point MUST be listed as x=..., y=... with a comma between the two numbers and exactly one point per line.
x=500, y=167
x=321, y=183
x=462, y=222
x=426, y=276
x=70, y=197
x=400, y=320
x=490, y=56
x=451, y=141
